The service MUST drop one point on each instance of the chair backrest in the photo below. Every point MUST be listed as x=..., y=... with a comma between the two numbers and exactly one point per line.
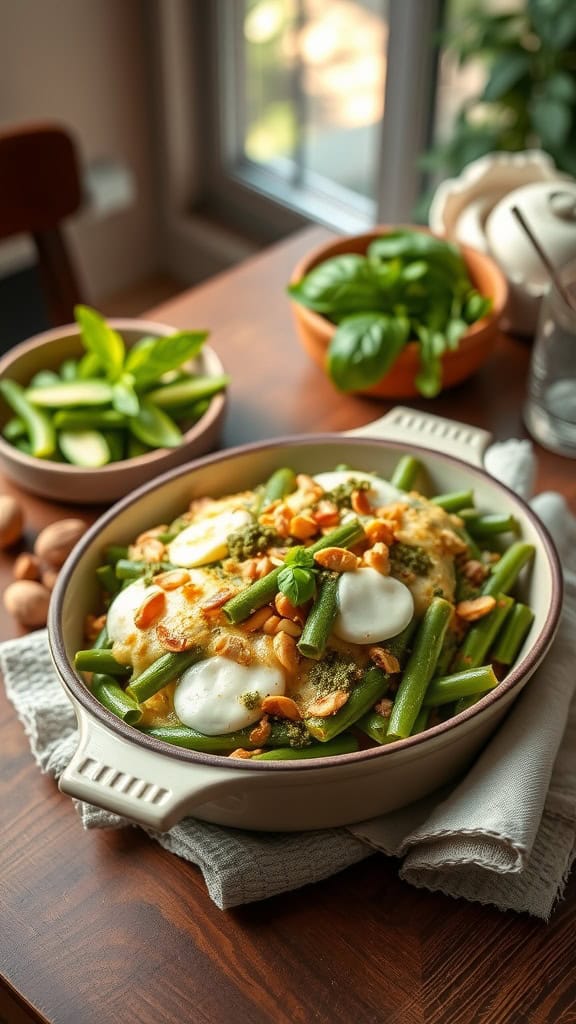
x=40, y=185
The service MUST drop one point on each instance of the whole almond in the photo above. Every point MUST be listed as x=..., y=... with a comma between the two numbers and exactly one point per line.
x=55, y=542
x=11, y=520
x=49, y=577
x=26, y=567
x=27, y=601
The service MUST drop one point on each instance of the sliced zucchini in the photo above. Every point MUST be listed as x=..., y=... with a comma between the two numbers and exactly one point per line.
x=69, y=394
x=88, y=448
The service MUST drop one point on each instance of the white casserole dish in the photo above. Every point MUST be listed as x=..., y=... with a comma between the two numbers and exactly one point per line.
x=155, y=784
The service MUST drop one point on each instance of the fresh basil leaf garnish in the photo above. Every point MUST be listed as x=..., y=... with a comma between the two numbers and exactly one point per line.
x=364, y=347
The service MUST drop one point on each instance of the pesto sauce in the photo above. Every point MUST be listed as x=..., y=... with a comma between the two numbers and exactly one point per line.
x=410, y=558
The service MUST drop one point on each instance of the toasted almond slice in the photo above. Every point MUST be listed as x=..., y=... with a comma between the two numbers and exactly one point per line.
x=379, y=531
x=241, y=754
x=261, y=732
x=286, y=609
x=475, y=608
x=337, y=559
x=384, y=659
x=323, y=707
x=302, y=526
x=384, y=707
x=172, y=579
x=360, y=503
x=216, y=600
x=174, y=641
x=235, y=647
x=285, y=650
x=258, y=619
x=377, y=557
x=281, y=707
x=151, y=609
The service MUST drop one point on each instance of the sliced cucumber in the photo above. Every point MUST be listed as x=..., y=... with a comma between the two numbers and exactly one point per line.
x=89, y=419
x=184, y=392
x=154, y=427
x=71, y=393
x=87, y=448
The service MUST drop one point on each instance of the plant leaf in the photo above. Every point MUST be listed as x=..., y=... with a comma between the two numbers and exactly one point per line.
x=554, y=21
x=124, y=397
x=432, y=346
x=552, y=121
x=101, y=340
x=153, y=357
x=344, y=284
x=507, y=70
x=298, y=585
x=363, y=349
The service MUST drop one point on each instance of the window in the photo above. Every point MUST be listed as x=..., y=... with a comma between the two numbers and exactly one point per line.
x=316, y=110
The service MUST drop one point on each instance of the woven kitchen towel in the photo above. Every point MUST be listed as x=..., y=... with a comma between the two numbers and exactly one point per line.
x=505, y=835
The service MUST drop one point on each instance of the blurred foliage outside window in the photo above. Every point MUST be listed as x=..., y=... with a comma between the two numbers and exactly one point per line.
x=527, y=95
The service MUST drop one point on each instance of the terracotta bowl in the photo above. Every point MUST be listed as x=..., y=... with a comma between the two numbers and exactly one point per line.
x=315, y=331
x=74, y=484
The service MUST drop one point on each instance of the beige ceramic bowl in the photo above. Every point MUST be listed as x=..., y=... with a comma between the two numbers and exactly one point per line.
x=74, y=484
x=315, y=332
x=157, y=784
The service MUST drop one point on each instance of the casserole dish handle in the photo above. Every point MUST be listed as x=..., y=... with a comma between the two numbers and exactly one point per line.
x=425, y=430
x=94, y=775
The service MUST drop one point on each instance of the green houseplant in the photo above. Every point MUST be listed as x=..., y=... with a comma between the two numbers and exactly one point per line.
x=529, y=97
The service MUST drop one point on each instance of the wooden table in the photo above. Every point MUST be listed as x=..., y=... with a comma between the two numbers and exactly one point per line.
x=103, y=927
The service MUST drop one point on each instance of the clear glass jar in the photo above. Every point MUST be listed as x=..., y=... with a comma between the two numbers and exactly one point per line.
x=550, y=409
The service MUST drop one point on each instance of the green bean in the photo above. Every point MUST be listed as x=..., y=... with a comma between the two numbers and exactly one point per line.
x=466, y=702
x=453, y=501
x=69, y=369
x=114, y=552
x=513, y=634
x=375, y=725
x=420, y=668
x=41, y=433
x=361, y=698
x=101, y=660
x=108, y=579
x=487, y=524
x=102, y=640
x=167, y=668
x=281, y=483
x=421, y=721
x=130, y=569
x=405, y=473
x=481, y=635
x=312, y=642
x=182, y=736
x=468, y=682
x=112, y=696
x=346, y=743
x=265, y=589
x=505, y=572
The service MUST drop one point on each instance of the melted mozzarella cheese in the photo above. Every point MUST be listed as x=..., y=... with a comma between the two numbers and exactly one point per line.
x=381, y=492
x=181, y=616
x=207, y=539
x=371, y=607
x=120, y=617
x=209, y=696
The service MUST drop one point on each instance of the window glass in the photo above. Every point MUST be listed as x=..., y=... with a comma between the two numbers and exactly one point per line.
x=314, y=82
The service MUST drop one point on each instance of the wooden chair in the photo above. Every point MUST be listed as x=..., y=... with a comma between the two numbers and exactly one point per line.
x=40, y=185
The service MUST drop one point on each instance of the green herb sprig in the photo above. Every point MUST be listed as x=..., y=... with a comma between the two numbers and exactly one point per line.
x=409, y=286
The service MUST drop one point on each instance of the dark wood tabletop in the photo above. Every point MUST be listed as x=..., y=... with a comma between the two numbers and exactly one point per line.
x=104, y=927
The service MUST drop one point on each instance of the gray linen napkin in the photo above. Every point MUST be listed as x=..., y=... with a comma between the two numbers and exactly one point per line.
x=504, y=835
